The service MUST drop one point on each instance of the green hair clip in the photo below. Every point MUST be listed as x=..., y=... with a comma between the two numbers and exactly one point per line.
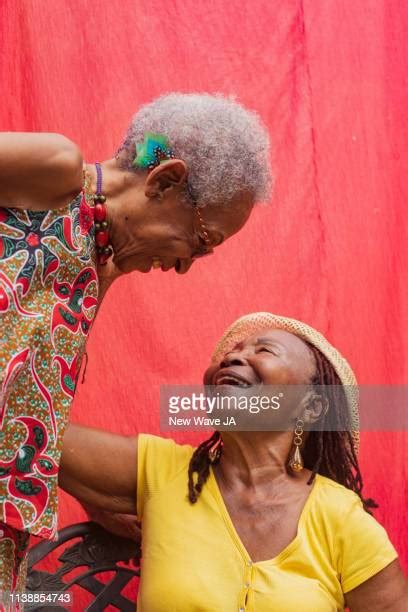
x=154, y=151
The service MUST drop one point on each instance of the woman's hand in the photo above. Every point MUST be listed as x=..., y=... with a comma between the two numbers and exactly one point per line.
x=123, y=525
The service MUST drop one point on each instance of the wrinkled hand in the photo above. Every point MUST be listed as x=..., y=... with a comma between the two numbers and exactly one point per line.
x=123, y=525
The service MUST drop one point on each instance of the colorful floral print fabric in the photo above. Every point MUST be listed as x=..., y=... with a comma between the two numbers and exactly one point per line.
x=48, y=299
x=13, y=567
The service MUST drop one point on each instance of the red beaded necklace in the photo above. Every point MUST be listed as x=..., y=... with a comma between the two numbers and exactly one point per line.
x=104, y=250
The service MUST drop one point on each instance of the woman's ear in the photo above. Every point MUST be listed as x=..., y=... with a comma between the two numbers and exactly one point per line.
x=314, y=407
x=169, y=174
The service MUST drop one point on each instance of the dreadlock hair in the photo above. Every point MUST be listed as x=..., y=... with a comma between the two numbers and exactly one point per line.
x=330, y=450
x=325, y=452
x=200, y=465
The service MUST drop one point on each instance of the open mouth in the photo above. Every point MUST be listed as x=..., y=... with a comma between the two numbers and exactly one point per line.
x=232, y=380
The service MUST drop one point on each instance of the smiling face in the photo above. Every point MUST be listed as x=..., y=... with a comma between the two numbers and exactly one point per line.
x=151, y=223
x=272, y=357
x=169, y=232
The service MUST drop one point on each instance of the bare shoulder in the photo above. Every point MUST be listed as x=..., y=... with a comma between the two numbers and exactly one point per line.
x=38, y=170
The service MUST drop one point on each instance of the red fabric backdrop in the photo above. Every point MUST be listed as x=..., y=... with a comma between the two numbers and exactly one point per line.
x=329, y=79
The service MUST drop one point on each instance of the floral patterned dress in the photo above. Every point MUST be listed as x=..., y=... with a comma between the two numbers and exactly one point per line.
x=48, y=299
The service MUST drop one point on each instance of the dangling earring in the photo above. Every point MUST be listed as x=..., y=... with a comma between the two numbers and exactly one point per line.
x=214, y=452
x=296, y=460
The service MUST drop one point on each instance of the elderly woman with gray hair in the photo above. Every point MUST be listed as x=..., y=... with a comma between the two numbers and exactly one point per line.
x=184, y=180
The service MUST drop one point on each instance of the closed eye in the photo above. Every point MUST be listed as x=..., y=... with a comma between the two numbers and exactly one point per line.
x=268, y=350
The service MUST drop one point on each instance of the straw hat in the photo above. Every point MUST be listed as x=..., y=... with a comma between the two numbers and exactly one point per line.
x=252, y=323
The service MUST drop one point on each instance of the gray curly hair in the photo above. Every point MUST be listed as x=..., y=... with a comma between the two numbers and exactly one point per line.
x=225, y=146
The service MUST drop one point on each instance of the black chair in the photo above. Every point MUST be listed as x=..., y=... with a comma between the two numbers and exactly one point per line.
x=97, y=551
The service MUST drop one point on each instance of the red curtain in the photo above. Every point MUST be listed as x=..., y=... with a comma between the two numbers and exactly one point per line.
x=329, y=79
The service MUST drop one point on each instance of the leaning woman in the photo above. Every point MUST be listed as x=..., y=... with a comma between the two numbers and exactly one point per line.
x=252, y=521
x=183, y=181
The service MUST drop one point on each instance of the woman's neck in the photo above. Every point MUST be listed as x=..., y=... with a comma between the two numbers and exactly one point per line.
x=114, y=180
x=123, y=191
x=254, y=458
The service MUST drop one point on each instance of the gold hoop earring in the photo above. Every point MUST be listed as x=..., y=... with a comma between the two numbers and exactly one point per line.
x=296, y=461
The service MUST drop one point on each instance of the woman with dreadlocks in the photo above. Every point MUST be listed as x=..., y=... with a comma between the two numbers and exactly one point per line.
x=252, y=521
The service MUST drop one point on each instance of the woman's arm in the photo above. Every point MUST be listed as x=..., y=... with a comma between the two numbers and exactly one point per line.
x=100, y=468
x=387, y=591
x=38, y=171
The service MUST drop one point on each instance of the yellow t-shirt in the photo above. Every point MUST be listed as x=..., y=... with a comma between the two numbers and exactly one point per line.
x=194, y=561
